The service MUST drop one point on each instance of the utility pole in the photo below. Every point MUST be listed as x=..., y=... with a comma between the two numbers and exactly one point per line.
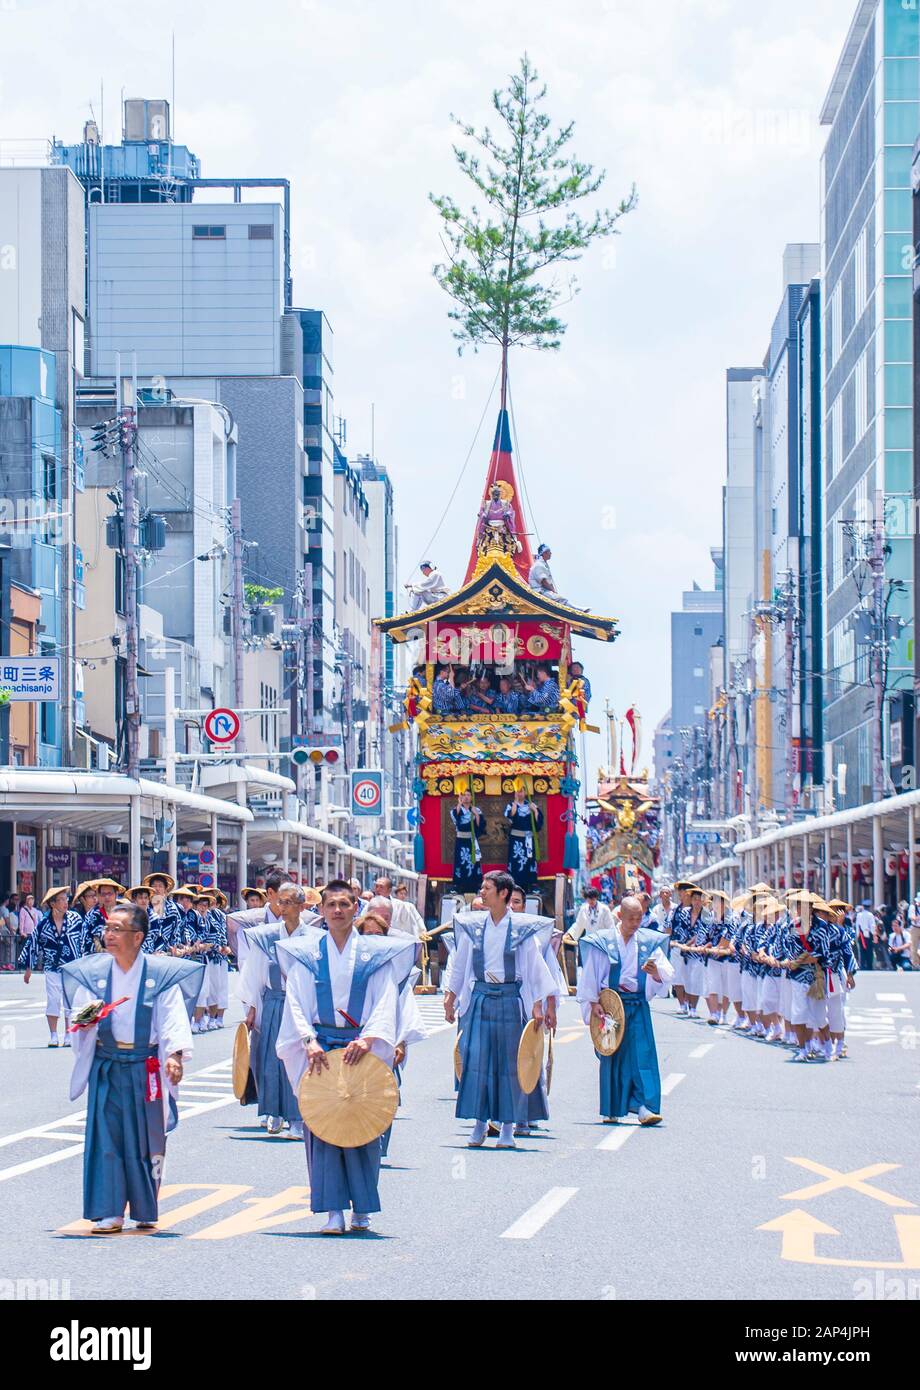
x=310, y=780
x=237, y=598
x=878, y=652
x=789, y=607
x=128, y=417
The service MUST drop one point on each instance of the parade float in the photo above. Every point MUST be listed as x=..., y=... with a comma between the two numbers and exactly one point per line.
x=507, y=265
x=623, y=817
x=496, y=623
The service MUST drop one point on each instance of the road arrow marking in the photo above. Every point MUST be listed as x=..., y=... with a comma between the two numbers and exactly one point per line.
x=800, y=1230
x=854, y=1180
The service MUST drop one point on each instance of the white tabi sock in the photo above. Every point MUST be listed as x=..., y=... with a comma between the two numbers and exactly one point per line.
x=506, y=1134
x=479, y=1131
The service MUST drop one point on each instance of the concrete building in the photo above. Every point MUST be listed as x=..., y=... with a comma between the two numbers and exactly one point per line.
x=779, y=541
x=352, y=609
x=42, y=306
x=871, y=111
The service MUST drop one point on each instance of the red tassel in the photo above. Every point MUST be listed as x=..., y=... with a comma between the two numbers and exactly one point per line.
x=153, y=1079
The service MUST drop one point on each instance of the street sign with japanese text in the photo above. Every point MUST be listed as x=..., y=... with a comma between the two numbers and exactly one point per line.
x=30, y=677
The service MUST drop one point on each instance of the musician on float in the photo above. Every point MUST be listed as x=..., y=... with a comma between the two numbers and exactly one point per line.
x=525, y=820
x=469, y=826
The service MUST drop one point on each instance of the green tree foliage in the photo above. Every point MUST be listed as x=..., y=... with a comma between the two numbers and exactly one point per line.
x=500, y=264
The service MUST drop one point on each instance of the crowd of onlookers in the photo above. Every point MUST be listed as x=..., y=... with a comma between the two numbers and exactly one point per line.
x=888, y=937
x=18, y=919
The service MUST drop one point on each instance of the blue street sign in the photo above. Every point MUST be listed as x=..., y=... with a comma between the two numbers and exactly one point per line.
x=366, y=793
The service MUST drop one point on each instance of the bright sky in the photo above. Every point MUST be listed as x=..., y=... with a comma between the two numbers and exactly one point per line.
x=710, y=106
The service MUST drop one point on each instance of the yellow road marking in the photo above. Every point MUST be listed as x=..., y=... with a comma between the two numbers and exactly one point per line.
x=800, y=1230
x=854, y=1180
x=293, y=1204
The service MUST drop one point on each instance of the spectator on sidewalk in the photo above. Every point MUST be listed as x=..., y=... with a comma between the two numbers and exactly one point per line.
x=913, y=922
x=866, y=928
x=899, y=949
x=7, y=943
x=29, y=918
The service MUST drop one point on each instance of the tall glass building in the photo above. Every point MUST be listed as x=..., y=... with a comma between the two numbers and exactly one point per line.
x=866, y=251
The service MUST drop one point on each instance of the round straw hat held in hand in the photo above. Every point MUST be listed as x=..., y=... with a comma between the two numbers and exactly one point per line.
x=348, y=1105
x=530, y=1056
x=607, y=1040
x=240, y=1060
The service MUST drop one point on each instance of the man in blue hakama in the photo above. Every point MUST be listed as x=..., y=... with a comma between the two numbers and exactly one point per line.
x=132, y=1059
x=261, y=992
x=342, y=992
x=631, y=960
x=498, y=980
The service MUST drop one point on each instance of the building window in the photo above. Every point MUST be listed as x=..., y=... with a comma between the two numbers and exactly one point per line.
x=261, y=231
x=49, y=477
x=209, y=233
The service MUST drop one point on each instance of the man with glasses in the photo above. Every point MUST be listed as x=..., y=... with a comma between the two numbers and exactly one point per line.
x=132, y=1038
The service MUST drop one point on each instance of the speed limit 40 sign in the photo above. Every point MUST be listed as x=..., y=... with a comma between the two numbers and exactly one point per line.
x=366, y=793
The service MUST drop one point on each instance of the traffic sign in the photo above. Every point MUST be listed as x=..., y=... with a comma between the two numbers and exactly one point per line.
x=366, y=793
x=703, y=837
x=222, y=725
x=413, y=816
x=207, y=856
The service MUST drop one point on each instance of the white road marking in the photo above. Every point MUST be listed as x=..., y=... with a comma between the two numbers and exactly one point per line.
x=537, y=1216
x=617, y=1137
x=701, y=1050
x=893, y=998
x=42, y=1162
x=668, y=1084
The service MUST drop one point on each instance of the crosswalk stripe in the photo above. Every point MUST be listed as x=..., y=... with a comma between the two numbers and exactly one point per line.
x=536, y=1217
x=668, y=1084
x=701, y=1050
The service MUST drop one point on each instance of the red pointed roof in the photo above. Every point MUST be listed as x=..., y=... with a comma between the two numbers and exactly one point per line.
x=501, y=470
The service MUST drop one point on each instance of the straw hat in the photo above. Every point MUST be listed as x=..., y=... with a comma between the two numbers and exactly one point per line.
x=803, y=895
x=530, y=1056
x=549, y=1064
x=98, y=883
x=53, y=892
x=141, y=888
x=158, y=873
x=84, y=888
x=240, y=1061
x=348, y=1105
x=760, y=888
x=683, y=885
x=313, y=897
x=607, y=1043
x=458, y=1060
x=839, y=905
x=248, y=892
x=717, y=893
x=186, y=890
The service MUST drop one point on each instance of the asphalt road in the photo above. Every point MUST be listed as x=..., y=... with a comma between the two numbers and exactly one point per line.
x=766, y=1179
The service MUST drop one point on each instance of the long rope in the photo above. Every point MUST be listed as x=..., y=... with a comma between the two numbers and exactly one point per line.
x=520, y=461
x=450, y=499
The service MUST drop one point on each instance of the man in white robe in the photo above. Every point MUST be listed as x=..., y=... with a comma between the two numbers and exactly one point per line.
x=405, y=917
x=342, y=992
x=498, y=980
x=631, y=960
x=133, y=1060
x=261, y=993
x=430, y=588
